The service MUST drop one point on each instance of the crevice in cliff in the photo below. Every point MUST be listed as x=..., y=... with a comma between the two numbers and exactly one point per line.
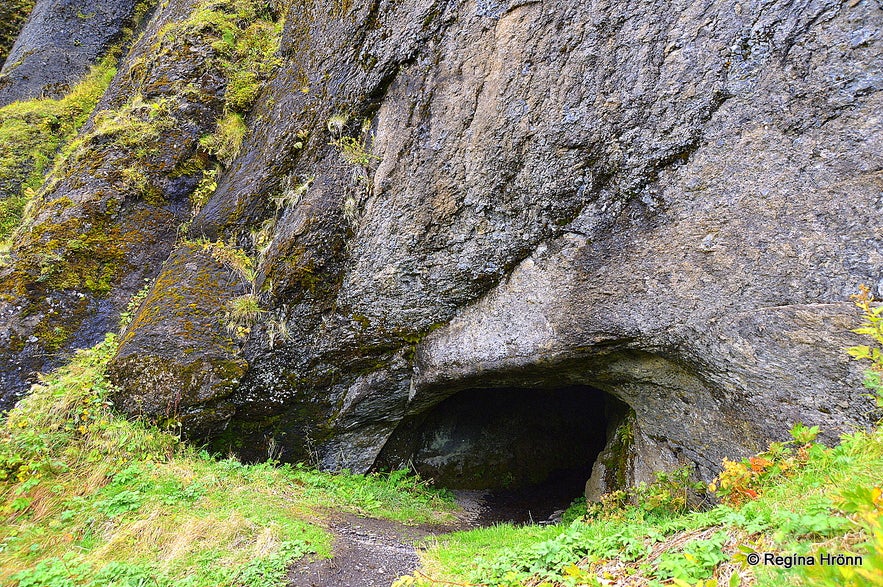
x=527, y=451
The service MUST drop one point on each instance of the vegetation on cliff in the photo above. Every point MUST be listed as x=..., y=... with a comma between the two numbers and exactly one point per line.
x=109, y=210
x=32, y=132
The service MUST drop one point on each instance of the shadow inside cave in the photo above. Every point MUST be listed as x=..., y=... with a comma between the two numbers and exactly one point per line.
x=523, y=453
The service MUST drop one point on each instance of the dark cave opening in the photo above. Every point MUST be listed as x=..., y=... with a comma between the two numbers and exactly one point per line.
x=525, y=453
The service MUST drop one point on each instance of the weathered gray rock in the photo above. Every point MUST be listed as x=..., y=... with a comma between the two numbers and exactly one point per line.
x=196, y=343
x=668, y=203
x=60, y=41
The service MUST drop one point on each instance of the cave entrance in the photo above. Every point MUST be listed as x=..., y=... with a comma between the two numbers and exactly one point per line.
x=525, y=453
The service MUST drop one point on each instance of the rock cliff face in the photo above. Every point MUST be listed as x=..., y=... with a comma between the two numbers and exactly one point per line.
x=665, y=205
x=61, y=39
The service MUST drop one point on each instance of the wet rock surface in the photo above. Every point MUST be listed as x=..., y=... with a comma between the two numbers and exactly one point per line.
x=667, y=202
x=61, y=40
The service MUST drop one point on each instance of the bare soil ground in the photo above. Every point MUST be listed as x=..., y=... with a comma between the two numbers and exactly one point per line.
x=367, y=553
x=373, y=553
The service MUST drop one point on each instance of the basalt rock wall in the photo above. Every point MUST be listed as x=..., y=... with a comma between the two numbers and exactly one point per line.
x=59, y=42
x=668, y=202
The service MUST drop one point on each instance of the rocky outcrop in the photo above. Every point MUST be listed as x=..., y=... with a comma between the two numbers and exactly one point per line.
x=667, y=203
x=113, y=207
x=59, y=43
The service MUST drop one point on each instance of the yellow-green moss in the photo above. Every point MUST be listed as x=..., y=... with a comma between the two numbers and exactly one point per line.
x=73, y=257
x=31, y=132
x=13, y=14
x=246, y=39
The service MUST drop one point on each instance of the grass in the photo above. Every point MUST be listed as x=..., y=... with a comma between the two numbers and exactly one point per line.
x=93, y=499
x=452, y=556
x=242, y=313
x=829, y=502
x=227, y=139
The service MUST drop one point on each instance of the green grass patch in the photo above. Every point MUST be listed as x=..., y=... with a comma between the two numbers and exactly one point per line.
x=830, y=502
x=93, y=499
x=452, y=556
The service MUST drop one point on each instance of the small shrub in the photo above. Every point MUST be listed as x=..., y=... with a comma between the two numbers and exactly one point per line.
x=745, y=479
x=242, y=313
x=355, y=151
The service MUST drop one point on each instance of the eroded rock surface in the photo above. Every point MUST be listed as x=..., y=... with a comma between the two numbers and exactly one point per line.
x=666, y=202
x=61, y=40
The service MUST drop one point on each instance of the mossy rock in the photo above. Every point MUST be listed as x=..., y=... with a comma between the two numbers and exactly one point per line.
x=176, y=360
x=117, y=195
x=13, y=14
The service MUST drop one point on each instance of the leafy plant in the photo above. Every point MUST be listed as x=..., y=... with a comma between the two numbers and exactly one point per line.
x=695, y=562
x=872, y=326
x=668, y=494
x=127, y=315
x=745, y=479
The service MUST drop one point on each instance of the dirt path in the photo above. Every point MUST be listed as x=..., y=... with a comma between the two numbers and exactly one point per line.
x=373, y=553
x=367, y=553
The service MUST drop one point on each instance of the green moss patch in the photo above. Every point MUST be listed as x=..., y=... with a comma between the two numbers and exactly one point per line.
x=13, y=14
x=32, y=132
